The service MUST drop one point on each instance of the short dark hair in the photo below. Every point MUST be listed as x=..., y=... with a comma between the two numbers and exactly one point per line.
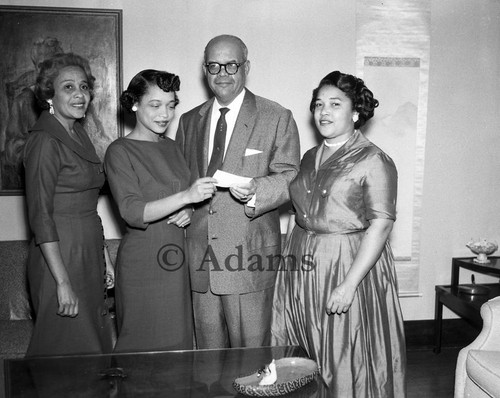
x=141, y=82
x=355, y=89
x=50, y=69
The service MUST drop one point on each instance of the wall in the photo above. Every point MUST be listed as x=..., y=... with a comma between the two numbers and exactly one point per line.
x=292, y=45
x=461, y=160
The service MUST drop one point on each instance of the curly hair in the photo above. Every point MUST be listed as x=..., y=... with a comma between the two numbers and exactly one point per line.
x=50, y=69
x=141, y=82
x=355, y=89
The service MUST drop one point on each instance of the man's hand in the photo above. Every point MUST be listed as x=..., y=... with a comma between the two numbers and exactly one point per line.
x=244, y=192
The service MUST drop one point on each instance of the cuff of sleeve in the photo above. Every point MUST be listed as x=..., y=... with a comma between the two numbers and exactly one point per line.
x=251, y=202
x=45, y=239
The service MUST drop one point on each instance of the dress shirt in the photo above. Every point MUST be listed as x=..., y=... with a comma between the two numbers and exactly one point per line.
x=231, y=116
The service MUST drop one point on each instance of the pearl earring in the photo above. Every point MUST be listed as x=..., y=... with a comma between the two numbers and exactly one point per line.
x=51, y=107
x=355, y=117
x=134, y=108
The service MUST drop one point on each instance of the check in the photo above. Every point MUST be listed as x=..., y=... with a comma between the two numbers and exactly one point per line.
x=226, y=180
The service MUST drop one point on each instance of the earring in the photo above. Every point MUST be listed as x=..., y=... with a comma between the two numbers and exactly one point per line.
x=51, y=107
x=355, y=117
x=134, y=108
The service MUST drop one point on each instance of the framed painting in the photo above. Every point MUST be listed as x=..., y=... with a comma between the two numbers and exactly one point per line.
x=32, y=34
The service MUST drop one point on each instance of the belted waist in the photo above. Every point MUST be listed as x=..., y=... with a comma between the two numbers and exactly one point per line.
x=345, y=232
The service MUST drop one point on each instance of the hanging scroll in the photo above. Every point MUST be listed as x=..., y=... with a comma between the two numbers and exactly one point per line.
x=392, y=57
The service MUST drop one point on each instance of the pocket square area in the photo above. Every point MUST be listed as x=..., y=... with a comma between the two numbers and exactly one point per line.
x=249, y=152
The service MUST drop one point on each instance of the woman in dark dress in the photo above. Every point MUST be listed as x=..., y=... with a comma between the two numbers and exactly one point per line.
x=66, y=266
x=149, y=180
x=336, y=295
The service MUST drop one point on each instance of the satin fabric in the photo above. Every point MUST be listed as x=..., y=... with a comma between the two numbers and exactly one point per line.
x=361, y=353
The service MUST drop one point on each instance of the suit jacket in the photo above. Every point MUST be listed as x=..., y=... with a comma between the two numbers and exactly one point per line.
x=234, y=247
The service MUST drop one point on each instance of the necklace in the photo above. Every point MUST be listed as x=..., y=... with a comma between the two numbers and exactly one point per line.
x=336, y=145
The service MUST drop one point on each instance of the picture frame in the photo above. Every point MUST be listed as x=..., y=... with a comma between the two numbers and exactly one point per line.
x=31, y=34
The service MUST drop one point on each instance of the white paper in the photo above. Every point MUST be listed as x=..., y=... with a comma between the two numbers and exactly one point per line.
x=226, y=180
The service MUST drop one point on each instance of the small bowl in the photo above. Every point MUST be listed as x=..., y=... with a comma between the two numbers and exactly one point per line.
x=293, y=373
x=482, y=248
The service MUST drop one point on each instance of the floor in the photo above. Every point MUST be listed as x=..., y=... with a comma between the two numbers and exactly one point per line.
x=431, y=375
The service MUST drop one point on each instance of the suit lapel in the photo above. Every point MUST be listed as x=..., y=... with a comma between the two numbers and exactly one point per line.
x=203, y=131
x=241, y=134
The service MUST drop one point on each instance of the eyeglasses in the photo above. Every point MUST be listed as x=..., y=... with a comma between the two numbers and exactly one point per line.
x=231, y=68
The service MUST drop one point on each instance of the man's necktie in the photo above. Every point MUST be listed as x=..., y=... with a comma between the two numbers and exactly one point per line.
x=219, y=143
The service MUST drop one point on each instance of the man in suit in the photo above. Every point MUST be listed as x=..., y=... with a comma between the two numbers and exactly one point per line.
x=233, y=242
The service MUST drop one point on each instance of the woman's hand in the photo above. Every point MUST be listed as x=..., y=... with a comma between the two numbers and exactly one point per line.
x=110, y=270
x=171, y=206
x=67, y=299
x=340, y=300
x=373, y=243
x=182, y=218
x=202, y=189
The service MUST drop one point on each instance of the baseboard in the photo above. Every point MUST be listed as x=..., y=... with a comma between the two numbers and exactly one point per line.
x=455, y=333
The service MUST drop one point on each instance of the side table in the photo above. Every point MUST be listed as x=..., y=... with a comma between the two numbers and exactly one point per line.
x=465, y=305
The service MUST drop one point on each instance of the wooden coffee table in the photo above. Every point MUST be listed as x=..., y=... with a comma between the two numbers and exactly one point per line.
x=201, y=373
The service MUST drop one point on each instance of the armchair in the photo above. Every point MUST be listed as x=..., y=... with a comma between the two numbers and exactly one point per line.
x=478, y=365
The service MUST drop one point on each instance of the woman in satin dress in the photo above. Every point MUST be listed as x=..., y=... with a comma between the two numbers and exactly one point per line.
x=150, y=182
x=66, y=265
x=336, y=291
